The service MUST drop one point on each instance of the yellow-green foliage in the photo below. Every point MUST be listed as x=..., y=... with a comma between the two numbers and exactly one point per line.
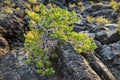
x=102, y=21
x=27, y=5
x=92, y=3
x=72, y=5
x=90, y=19
x=100, y=3
x=82, y=42
x=39, y=58
x=115, y=5
x=9, y=3
x=7, y=10
x=51, y=5
x=35, y=8
x=2, y=16
x=32, y=1
x=17, y=8
x=82, y=8
x=80, y=3
x=98, y=20
x=55, y=23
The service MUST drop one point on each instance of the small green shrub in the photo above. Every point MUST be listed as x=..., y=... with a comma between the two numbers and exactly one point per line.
x=57, y=24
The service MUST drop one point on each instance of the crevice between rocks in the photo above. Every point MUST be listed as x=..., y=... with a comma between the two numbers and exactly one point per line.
x=98, y=66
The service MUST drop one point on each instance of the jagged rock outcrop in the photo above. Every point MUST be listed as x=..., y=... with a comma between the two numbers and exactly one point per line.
x=95, y=8
x=13, y=29
x=111, y=54
x=69, y=65
x=12, y=68
x=73, y=66
x=99, y=66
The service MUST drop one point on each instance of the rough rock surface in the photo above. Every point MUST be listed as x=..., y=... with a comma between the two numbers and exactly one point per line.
x=13, y=29
x=70, y=66
x=111, y=55
x=4, y=46
x=74, y=66
x=12, y=68
x=98, y=66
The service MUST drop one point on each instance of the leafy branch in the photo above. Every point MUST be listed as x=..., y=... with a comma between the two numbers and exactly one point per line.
x=56, y=24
